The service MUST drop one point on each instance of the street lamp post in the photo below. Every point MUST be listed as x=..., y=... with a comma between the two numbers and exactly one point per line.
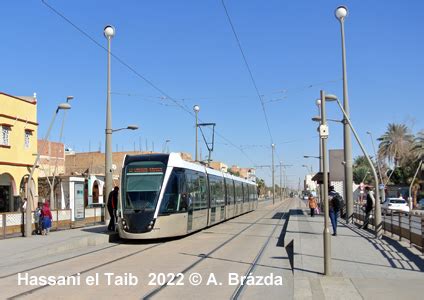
x=273, y=173
x=109, y=33
x=29, y=192
x=281, y=180
x=52, y=196
x=377, y=210
x=196, y=109
x=341, y=13
x=318, y=103
x=382, y=192
x=323, y=133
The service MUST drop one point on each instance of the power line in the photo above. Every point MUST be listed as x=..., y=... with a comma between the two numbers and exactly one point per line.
x=184, y=108
x=249, y=70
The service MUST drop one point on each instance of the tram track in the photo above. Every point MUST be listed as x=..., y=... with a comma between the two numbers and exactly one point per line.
x=242, y=287
x=34, y=290
x=220, y=246
x=29, y=292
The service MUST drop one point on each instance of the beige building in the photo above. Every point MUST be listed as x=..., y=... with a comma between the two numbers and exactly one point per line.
x=217, y=165
x=18, y=144
x=246, y=173
x=52, y=158
x=93, y=163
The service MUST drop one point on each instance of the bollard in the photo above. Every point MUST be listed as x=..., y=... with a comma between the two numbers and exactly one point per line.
x=4, y=225
x=422, y=235
x=384, y=221
x=400, y=228
x=391, y=224
x=410, y=231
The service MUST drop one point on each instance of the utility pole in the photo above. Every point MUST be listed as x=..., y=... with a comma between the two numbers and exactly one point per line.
x=281, y=180
x=273, y=174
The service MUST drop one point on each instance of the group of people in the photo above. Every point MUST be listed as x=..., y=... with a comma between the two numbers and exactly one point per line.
x=43, y=218
x=334, y=201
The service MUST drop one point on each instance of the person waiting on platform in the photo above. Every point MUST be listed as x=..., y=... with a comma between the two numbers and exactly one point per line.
x=334, y=200
x=112, y=205
x=312, y=202
x=47, y=217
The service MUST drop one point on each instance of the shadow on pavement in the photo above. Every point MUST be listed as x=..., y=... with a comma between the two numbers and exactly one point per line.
x=390, y=248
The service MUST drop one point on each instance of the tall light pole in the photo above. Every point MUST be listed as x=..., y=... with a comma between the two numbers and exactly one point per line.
x=109, y=33
x=196, y=109
x=273, y=173
x=29, y=194
x=281, y=180
x=323, y=133
x=381, y=186
x=164, y=148
x=377, y=209
x=52, y=196
x=341, y=13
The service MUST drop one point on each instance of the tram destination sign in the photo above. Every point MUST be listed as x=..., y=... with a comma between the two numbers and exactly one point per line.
x=144, y=170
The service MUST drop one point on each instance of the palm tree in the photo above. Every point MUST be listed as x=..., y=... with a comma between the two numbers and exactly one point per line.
x=418, y=147
x=395, y=144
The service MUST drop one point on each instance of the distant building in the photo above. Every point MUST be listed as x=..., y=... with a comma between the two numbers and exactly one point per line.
x=52, y=158
x=246, y=173
x=93, y=163
x=18, y=144
x=309, y=184
x=218, y=166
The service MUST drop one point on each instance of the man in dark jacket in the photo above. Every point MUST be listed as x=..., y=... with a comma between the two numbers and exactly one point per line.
x=334, y=199
x=112, y=204
x=368, y=207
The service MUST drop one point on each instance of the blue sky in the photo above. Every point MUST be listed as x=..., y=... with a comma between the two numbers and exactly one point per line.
x=187, y=49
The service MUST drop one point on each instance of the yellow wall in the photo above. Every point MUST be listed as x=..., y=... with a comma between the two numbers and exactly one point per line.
x=17, y=160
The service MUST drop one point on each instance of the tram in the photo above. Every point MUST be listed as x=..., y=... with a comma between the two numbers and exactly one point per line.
x=163, y=195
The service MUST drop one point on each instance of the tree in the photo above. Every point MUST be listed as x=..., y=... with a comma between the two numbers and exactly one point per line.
x=360, y=169
x=395, y=144
x=418, y=145
x=261, y=186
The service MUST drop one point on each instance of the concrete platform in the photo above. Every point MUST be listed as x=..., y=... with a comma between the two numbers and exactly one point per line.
x=362, y=267
x=21, y=253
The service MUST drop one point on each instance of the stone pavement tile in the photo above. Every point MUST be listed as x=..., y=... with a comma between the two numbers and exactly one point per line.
x=339, y=288
x=386, y=289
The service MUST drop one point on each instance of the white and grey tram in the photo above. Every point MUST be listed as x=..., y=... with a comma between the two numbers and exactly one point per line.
x=163, y=195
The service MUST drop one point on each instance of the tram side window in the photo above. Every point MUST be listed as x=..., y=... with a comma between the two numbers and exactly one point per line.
x=255, y=193
x=229, y=186
x=239, y=191
x=217, y=193
x=245, y=193
x=197, y=190
x=173, y=199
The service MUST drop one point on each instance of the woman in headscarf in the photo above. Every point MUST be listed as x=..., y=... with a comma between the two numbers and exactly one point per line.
x=47, y=218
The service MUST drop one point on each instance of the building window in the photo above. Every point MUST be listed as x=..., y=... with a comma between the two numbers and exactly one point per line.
x=27, y=139
x=5, y=131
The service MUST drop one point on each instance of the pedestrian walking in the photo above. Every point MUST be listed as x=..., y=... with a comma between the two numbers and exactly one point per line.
x=47, y=217
x=335, y=201
x=369, y=205
x=312, y=202
x=112, y=204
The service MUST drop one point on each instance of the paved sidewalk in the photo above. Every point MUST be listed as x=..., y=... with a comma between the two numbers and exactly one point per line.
x=362, y=267
x=21, y=252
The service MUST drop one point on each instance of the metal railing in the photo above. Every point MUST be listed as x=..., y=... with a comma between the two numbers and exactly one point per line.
x=409, y=226
x=12, y=223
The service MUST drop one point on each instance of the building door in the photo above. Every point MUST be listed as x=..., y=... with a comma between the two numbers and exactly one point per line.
x=4, y=198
